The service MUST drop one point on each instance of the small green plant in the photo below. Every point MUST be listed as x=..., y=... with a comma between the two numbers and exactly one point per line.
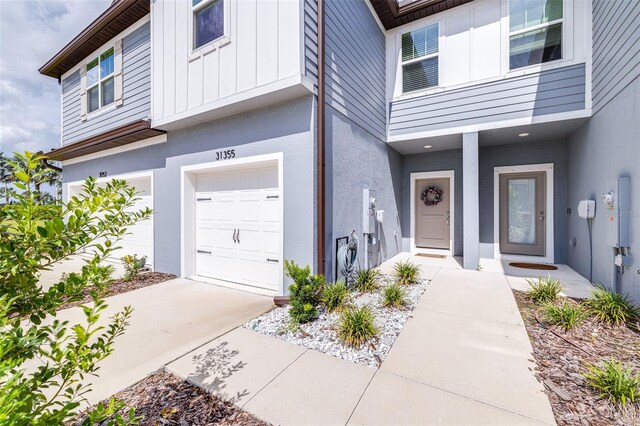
x=544, y=290
x=614, y=381
x=394, y=295
x=610, y=307
x=305, y=292
x=357, y=326
x=367, y=280
x=132, y=265
x=406, y=272
x=566, y=315
x=335, y=296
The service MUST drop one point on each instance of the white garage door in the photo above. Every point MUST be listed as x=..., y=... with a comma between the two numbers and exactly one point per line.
x=238, y=227
x=139, y=238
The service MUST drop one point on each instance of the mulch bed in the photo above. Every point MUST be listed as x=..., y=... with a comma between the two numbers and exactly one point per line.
x=164, y=399
x=560, y=364
x=144, y=279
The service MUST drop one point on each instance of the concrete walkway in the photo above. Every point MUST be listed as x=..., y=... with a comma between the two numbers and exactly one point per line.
x=463, y=357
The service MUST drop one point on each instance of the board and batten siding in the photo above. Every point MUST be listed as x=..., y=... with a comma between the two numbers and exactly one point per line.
x=616, y=48
x=356, y=65
x=547, y=92
x=136, y=92
x=262, y=45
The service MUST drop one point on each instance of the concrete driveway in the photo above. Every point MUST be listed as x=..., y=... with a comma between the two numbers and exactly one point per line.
x=169, y=320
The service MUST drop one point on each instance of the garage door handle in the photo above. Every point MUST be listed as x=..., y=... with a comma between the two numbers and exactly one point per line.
x=203, y=199
x=203, y=251
x=234, y=236
x=272, y=196
x=238, y=236
x=273, y=260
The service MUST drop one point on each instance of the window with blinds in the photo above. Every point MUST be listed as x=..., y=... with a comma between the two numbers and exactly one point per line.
x=420, y=58
x=535, y=32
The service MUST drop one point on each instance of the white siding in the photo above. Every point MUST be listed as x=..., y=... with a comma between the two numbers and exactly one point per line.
x=262, y=46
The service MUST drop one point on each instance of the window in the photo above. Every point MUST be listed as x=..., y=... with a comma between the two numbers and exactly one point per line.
x=535, y=32
x=208, y=21
x=100, y=84
x=420, y=58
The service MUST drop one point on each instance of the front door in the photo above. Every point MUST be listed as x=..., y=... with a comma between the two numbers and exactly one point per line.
x=433, y=216
x=522, y=213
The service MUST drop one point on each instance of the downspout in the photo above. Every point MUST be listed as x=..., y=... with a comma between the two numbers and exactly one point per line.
x=46, y=165
x=320, y=165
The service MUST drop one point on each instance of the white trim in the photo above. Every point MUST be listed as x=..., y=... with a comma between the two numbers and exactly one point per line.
x=548, y=118
x=375, y=16
x=126, y=176
x=111, y=42
x=450, y=174
x=549, y=234
x=187, y=258
x=118, y=150
x=223, y=40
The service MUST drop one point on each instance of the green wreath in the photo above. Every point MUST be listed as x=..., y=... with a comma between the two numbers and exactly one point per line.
x=431, y=196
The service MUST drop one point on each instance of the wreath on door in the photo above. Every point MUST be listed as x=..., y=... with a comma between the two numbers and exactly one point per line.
x=431, y=196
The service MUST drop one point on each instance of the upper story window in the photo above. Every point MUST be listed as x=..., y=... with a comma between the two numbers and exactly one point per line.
x=420, y=58
x=208, y=21
x=100, y=81
x=535, y=32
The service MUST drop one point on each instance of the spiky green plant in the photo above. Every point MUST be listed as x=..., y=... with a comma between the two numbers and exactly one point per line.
x=335, y=296
x=394, y=295
x=544, y=290
x=610, y=307
x=566, y=315
x=614, y=381
x=367, y=280
x=357, y=326
x=406, y=272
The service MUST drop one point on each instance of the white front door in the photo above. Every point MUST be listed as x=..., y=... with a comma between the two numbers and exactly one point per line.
x=238, y=227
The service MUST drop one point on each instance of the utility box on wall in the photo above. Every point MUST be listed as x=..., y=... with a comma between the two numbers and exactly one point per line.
x=617, y=206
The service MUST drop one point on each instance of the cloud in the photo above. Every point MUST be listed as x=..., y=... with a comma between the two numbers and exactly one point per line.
x=31, y=32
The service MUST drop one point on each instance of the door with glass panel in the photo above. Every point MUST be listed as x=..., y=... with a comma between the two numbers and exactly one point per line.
x=522, y=213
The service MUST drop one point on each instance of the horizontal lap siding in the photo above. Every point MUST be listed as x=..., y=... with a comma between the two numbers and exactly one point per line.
x=355, y=65
x=311, y=40
x=616, y=48
x=547, y=92
x=136, y=81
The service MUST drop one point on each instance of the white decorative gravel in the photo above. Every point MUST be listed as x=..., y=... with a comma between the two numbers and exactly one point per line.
x=320, y=334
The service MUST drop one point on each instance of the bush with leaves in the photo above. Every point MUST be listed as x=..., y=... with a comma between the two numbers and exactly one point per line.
x=367, y=280
x=335, y=296
x=565, y=314
x=407, y=272
x=132, y=265
x=32, y=240
x=614, y=308
x=544, y=290
x=394, y=295
x=614, y=381
x=305, y=293
x=357, y=326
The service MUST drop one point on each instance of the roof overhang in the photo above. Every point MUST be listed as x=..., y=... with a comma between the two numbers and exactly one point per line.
x=119, y=16
x=120, y=136
x=393, y=15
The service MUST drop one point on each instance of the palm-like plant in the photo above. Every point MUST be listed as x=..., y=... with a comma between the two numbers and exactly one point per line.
x=5, y=177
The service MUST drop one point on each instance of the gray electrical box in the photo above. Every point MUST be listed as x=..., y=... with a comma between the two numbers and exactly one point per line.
x=617, y=207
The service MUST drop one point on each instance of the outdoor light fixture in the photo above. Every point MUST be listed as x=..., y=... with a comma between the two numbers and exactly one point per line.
x=523, y=135
x=427, y=146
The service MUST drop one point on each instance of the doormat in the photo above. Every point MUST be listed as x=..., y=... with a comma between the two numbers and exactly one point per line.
x=437, y=256
x=536, y=266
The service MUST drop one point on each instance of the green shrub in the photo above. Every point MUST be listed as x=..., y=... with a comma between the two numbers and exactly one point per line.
x=544, y=290
x=612, y=380
x=32, y=239
x=132, y=265
x=367, y=280
x=305, y=292
x=335, y=296
x=611, y=307
x=566, y=315
x=394, y=295
x=357, y=326
x=406, y=272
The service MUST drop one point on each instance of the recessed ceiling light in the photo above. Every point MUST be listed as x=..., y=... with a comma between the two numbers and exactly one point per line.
x=523, y=135
x=427, y=146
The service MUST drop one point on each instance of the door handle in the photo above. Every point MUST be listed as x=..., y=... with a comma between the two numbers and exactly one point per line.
x=234, y=235
x=273, y=260
x=203, y=251
x=238, y=236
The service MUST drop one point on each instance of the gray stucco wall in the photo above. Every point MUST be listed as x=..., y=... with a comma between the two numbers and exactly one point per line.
x=606, y=147
x=286, y=128
x=489, y=157
x=547, y=92
x=136, y=92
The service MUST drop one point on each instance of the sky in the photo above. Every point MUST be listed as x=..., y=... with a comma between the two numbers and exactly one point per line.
x=31, y=32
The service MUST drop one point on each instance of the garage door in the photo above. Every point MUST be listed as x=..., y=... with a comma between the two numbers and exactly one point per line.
x=238, y=227
x=139, y=238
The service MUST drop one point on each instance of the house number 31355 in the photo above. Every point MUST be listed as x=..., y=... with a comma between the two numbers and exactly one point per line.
x=226, y=154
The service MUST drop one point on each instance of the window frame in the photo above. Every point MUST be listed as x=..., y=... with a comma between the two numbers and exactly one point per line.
x=402, y=63
x=563, y=34
x=213, y=44
x=101, y=80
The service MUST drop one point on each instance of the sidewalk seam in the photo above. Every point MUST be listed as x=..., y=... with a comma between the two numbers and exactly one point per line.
x=361, y=395
x=473, y=399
